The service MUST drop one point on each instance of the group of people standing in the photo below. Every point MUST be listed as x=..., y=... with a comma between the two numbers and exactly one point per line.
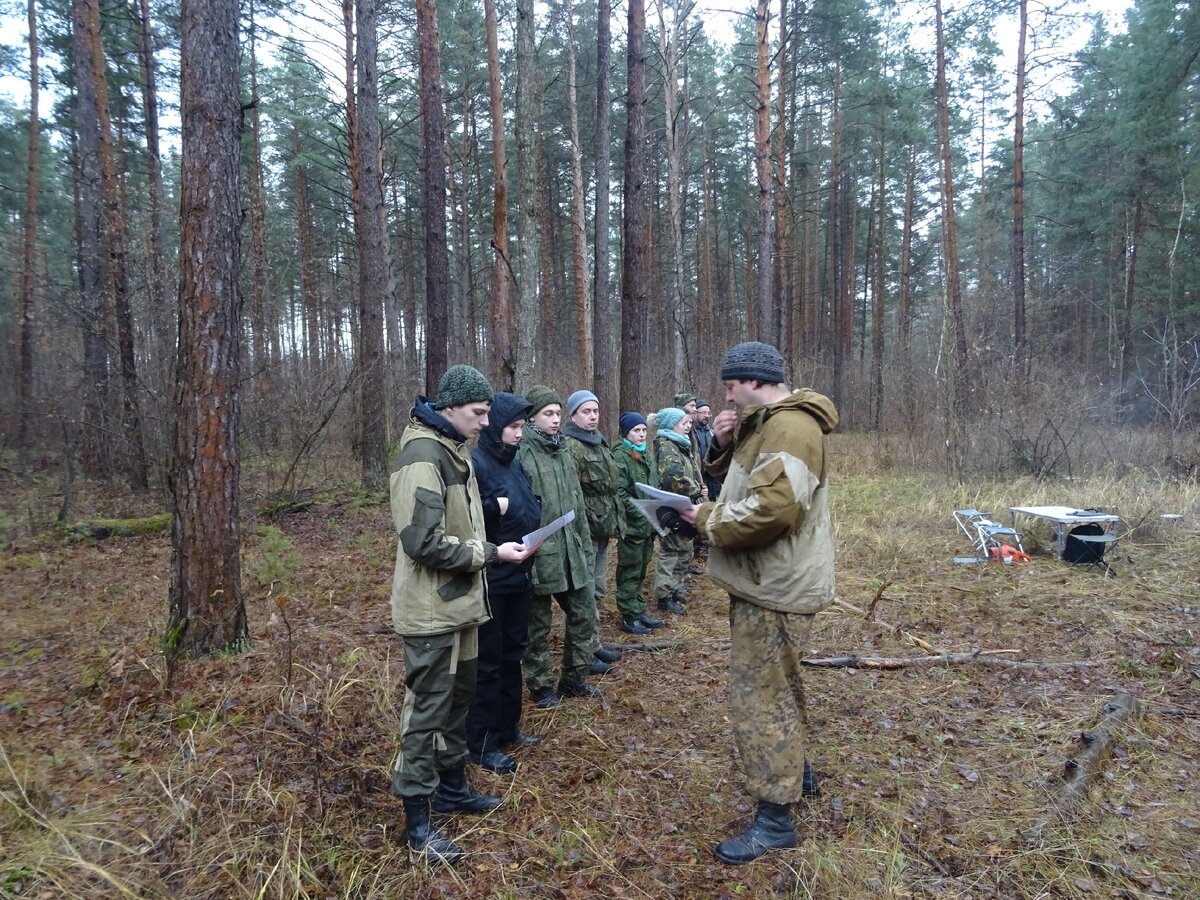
x=463, y=512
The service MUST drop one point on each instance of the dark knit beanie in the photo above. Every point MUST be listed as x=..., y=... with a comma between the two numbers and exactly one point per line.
x=461, y=385
x=577, y=400
x=540, y=396
x=682, y=400
x=753, y=361
x=701, y=403
x=630, y=421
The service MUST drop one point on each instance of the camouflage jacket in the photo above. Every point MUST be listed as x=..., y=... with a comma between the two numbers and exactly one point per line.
x=563, y=562
x=770, y=535
x=438, y=583
x=599, y=476
x=635, y=467
x=677, y=469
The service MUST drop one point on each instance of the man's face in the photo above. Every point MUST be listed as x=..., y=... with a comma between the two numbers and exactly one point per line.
x=703, y=414
x=511, y=435
x=690, y=407
x=740, y=394
x=548, y=418
x=469, y=419
x=587, y=416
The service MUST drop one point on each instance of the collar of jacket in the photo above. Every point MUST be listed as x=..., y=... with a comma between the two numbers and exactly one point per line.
x=424, y=413
x=818, y=406
x=682, y=440
x=539, y=437
x=593, y=438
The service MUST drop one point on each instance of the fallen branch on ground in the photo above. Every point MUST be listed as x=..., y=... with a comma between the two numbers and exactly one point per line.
x=982, y=657
x=869, y=615
x=1094, y=749
x=99, y=529
x=646, y=645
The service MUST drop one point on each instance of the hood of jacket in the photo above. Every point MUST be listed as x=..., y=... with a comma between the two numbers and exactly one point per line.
x=506, y=409
x=820, y=407
x=424, y=413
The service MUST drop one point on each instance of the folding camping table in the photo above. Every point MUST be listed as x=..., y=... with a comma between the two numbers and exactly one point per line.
x=1064, y=518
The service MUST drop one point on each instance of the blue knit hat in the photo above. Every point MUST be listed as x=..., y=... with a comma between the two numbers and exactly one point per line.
x=577, y=400
x=669, y=417
x=630, y=421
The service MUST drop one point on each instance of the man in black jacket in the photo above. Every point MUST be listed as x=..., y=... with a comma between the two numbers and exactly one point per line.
x=510, y=511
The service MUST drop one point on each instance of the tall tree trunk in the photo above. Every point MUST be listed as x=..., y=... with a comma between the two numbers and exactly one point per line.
x=96, y=447
x=839, y=311
x=583, y=308
x=784, y=221
x=503, y=367
x=1134, y=241
x=374, y=254
x=767, y=328
x=668, y=43
x=433, y=195
x=904, y=311
x=29, y=244
x=949, y=229
x=527, y=201
x=207, y=613
x=261, y=366
x=161, y=321
x=634, y=273
x=1018, y=238
x=877, y=254
x=605, y=362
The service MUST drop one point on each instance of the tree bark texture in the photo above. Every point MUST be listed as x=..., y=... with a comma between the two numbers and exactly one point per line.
x=634, y=274
x=207, y=613
x=433, y=195
x=605, y=356
x=528, y=109
x=767, y=330
x=374, y=254
x=583, y=308
x=29, y=244
x=1018, y=236
x=503, y=370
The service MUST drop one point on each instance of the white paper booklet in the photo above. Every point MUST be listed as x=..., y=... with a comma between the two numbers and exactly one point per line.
x=537, y=537
x=657, y=499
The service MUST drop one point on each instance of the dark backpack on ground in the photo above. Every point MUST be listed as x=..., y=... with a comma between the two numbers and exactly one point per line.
x=1083, y=552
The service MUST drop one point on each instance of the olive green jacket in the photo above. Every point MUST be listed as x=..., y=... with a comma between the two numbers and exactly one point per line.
x=564, y=560
x=600, y=477
x=438, y=584
x=634, y=467
x=770, y=534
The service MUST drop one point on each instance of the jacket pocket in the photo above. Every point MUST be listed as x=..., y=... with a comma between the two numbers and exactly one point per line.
x=456, y=586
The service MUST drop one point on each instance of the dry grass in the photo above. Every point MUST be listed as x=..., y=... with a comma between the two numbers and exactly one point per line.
x=256, y=778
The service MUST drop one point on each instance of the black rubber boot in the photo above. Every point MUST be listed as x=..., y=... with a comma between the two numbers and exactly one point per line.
x=578, y=689
x=455, y=794
x=608, y=654
x=671, y=604
x=423, y=838
x=771, y=830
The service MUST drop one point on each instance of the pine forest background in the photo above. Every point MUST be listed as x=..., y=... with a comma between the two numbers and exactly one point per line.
x=663, y=196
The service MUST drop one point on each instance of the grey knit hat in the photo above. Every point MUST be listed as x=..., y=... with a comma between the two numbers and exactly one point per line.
x=577, y=400
x=753, y=361
x=540, y=396
x=461, y=385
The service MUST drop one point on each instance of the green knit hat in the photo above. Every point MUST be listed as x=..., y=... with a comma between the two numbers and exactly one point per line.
x=540, y=396
x=682, y=400
x=461, y=385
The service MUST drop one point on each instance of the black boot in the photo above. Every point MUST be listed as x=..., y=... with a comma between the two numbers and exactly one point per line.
x=671, y=604
x=608, y=654
x=578, y=689
x=455, y=794
x=423, y=838
x=600, y=667
x=495, y=761
x=771, y=830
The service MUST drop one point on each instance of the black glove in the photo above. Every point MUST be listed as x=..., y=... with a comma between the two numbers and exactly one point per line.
x=672, y=521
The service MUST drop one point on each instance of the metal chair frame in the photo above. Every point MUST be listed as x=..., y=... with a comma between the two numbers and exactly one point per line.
x=984, y=533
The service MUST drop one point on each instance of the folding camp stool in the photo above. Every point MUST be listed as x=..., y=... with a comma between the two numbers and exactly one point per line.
x=986, y=534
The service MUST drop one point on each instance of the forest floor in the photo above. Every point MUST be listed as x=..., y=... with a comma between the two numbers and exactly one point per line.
x=266, y=774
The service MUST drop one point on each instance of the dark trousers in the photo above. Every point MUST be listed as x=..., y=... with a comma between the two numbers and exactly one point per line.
x=495, y=714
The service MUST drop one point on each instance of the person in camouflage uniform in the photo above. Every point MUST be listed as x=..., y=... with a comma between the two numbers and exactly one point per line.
x=439, y=602
x=636, y=544
x=562, y=568
x=772, y=549
x=677, y=473
x=598, y=476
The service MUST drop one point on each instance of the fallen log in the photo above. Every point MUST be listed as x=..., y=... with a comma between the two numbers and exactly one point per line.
x=981, y=657
x=648, y=646
x=1093, y=749
x=99, y=529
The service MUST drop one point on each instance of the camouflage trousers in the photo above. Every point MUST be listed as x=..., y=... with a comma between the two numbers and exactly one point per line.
x=599, y=568
x=674, y=557
x=766, y=694
x=439, y=684
x=633, y=559
x=580, y=638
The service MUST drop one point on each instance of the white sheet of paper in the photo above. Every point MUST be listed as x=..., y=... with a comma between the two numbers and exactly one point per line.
x=664, y=498
x=648, y=509
x=537, y=537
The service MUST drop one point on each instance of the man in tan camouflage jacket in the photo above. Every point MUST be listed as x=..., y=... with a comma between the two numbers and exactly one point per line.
x=772, y=549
